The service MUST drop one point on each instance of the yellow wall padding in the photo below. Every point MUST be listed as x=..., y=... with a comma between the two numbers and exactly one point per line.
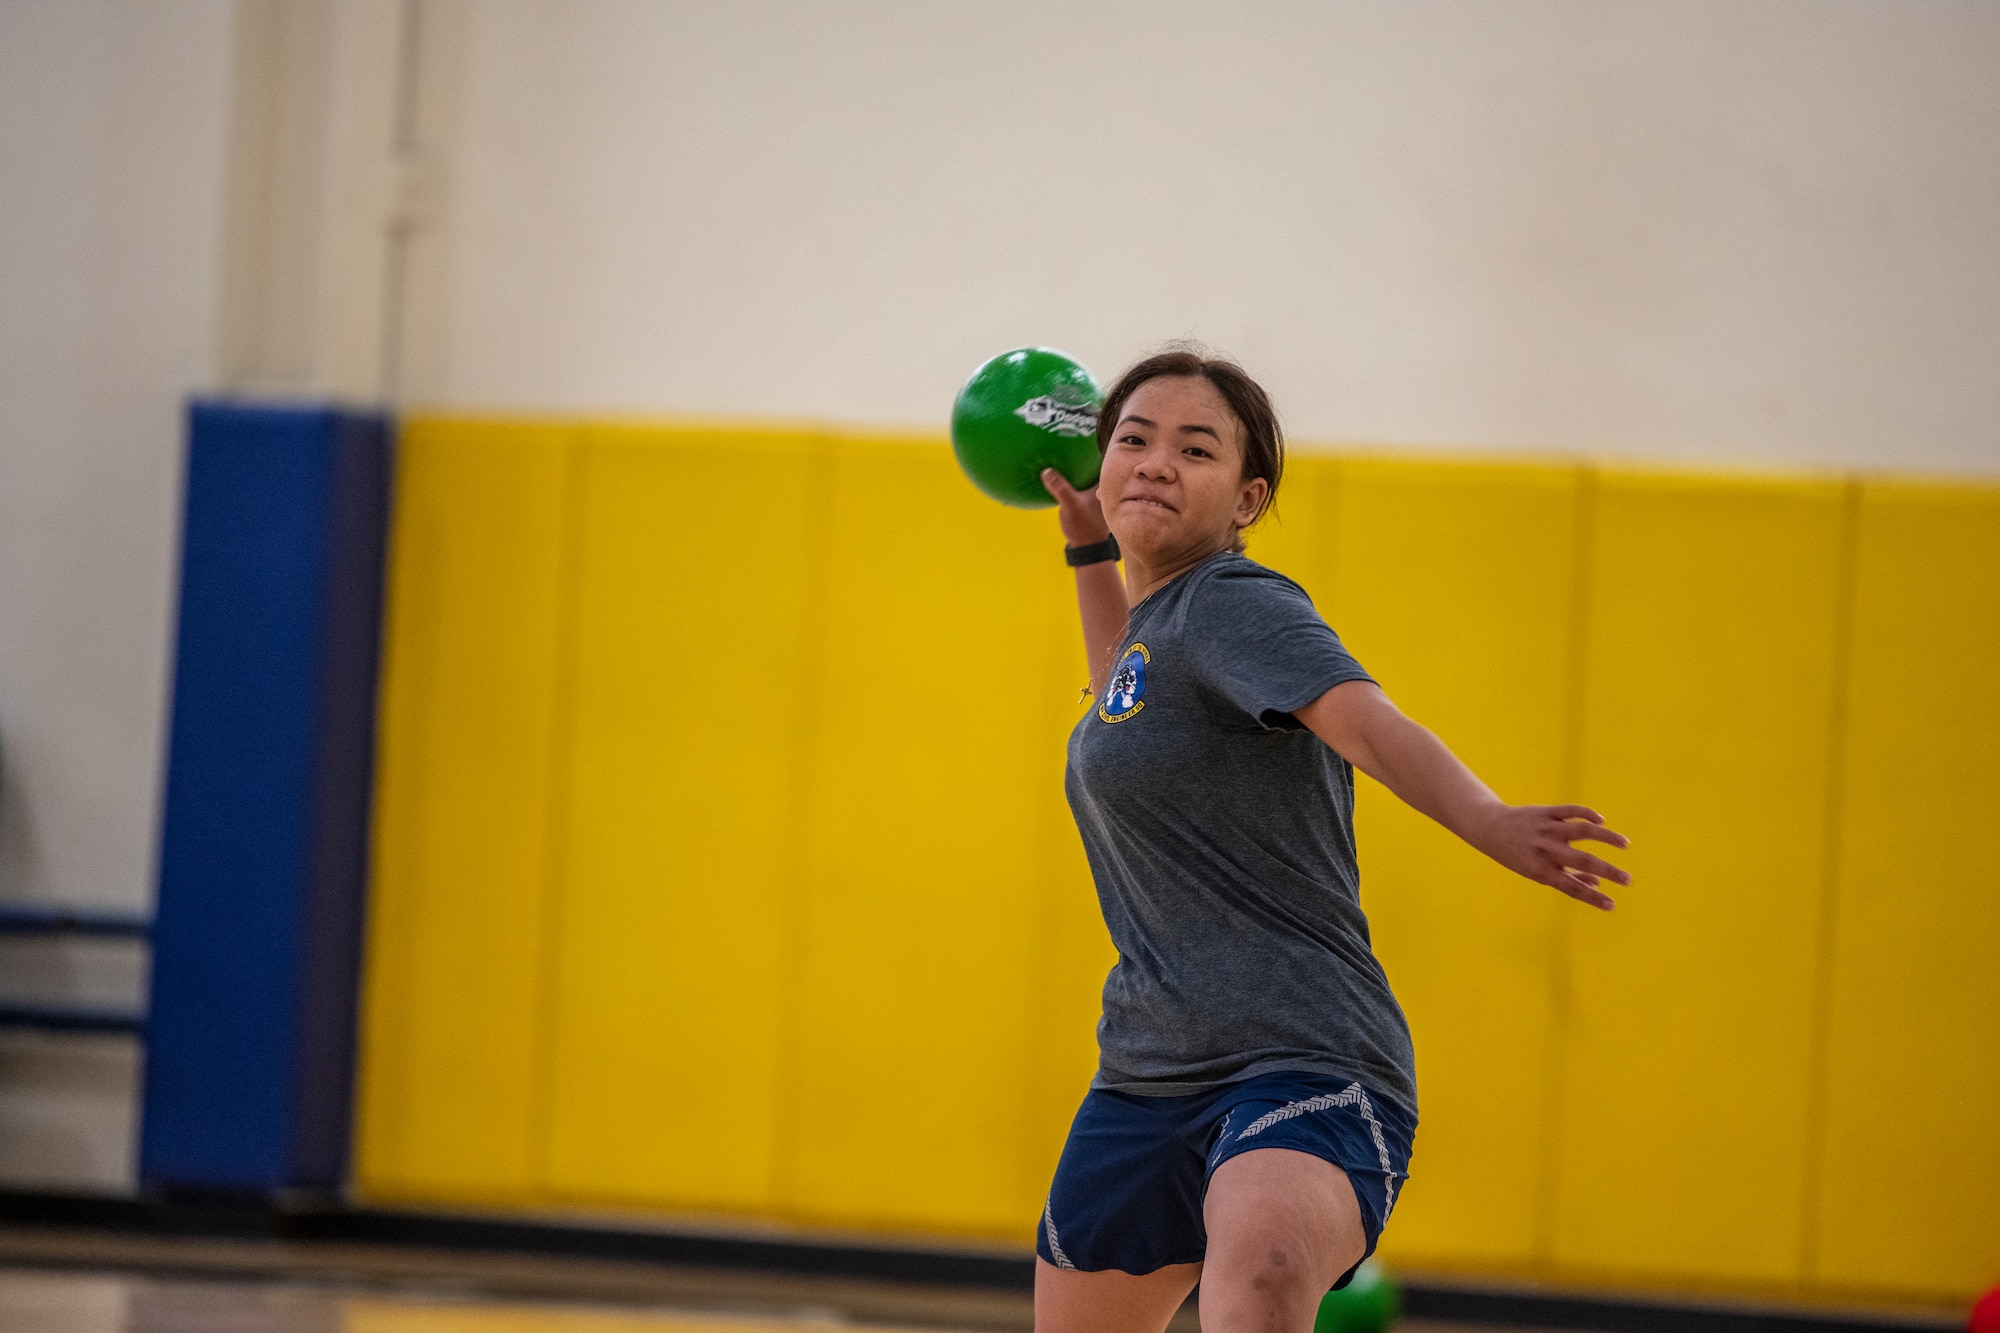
x=458, y=930
x=1910, y=1195
x=723, y=866
x=690, y=669
x=940, y=710
x=787, y=931
x=1707, y=709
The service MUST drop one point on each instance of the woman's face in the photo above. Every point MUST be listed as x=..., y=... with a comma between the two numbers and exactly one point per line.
x=1172, y=486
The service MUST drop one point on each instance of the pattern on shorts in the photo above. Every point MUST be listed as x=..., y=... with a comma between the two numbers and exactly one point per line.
x=1055, y=1246
x=1351, y=1095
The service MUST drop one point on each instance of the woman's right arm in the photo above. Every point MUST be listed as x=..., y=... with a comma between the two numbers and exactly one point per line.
x=1100, y=592
x=1361, y=725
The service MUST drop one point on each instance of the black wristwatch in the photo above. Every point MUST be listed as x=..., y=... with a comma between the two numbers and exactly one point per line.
x=1094, y=554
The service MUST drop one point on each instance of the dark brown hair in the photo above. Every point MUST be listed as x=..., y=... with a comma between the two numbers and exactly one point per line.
x=1263, y=437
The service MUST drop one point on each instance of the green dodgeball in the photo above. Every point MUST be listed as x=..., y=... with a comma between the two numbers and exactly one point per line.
x=1368, y=1304
x=1023, y=411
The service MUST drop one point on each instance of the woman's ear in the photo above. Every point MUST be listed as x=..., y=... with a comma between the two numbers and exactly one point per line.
x=1250, y=501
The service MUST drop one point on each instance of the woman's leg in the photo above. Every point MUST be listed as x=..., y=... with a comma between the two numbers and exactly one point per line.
x=1282, y=1226
x=1067, y=1301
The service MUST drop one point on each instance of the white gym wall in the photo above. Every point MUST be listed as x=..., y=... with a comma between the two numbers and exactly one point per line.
x=1727, y=231
x=113, y=120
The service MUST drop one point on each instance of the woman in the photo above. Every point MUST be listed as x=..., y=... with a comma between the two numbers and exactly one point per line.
x=1251, y=1119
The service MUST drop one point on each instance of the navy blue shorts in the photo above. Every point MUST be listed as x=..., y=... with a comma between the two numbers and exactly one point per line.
x=1129, y=1188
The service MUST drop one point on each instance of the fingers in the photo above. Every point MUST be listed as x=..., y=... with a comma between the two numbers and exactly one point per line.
x=1588, y=866
x=1581, y=822
x=1076, y=510
x=1545, y=852
x=1575, y=887
x=1576, y=830
x=1057, y=485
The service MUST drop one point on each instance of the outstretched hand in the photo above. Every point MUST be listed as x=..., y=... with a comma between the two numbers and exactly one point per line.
x=1082, y=521
x=1536, y=841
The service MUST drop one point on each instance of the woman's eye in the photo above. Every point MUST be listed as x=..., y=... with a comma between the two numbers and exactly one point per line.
x=1133, y=440
x=1197, y=451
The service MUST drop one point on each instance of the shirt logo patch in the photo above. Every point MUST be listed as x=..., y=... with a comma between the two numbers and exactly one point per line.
x=1125, y=696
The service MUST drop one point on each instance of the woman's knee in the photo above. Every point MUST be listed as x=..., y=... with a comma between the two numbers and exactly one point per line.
x=1273, y=1271
x=1281, y=1230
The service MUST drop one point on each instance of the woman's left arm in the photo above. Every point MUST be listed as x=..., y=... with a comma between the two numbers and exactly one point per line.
x=1370, y=732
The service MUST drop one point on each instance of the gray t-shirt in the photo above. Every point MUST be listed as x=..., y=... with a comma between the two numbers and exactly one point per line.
x=1221, y=835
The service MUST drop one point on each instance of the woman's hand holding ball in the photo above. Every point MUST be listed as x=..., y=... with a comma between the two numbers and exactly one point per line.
x=1077, y=510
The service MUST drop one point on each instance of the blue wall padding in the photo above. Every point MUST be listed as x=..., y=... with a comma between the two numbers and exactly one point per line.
x=263, y=859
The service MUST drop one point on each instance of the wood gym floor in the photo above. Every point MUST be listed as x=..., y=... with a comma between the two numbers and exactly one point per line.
x=65, y=1281
x=44, y=1301
x=59, y=1276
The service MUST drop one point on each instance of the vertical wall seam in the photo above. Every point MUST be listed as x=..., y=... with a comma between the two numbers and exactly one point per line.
x=788, y=1100
x=385, y=953
x=409, y=72
x=396, y=246
x=556, y=802
x=1562, y=980
x=1819, y=1053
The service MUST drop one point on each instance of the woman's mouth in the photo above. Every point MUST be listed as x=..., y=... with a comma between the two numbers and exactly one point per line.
x=1149, y=500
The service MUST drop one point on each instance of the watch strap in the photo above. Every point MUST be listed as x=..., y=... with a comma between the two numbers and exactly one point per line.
x=1094, y=554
